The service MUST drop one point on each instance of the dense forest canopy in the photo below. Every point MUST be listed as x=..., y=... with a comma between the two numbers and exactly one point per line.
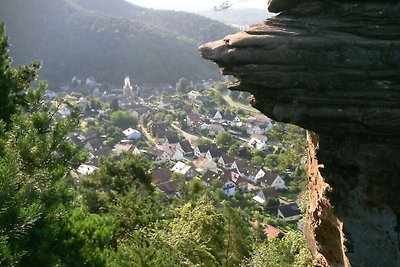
x=108, y=40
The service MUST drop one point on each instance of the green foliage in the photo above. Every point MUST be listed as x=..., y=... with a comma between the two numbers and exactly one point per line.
x=107, y=39
x=224, y=139
x=13, y=82
x=288, y=251
x=124, y=119
x=182, y=87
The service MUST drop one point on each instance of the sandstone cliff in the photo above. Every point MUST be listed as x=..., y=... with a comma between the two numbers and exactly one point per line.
x=333, y=67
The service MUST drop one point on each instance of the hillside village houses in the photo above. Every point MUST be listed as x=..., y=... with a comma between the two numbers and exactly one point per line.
x=171, y=151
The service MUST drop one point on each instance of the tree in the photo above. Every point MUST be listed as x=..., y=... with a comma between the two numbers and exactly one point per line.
x=35, y=160
x=14, y=82
x=182, y=86
x=114, y=105
x=124, y=119
x=195, y=234
x=224, y=139
x=288, y=251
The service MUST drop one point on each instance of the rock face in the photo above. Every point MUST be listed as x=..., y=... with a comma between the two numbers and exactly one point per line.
x=333, y=67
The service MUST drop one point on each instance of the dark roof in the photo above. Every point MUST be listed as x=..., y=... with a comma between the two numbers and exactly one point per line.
x=269, y=177
x=228, y=159
x=229, y=117
x=217, y=152
x=167, y=134
x=270, y=193
x=173, y=138
x=205, y=148
x=289, y=210
x=194, y=117
x=161, y=175
x=102, y=151
x=241, y=180
x=185, y=145
x=95, y=143
x=209, y=176
x=169, y=187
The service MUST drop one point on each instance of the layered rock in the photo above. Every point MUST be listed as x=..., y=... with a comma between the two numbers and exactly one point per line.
x=333, y=67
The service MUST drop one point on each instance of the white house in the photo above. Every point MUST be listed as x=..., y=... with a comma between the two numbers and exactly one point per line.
x=228, y=186
x=264, y=194
x=202, y=165
x=64, y=111
x=289, y=212
x=173, y=153
x=132, y=134
x=186, y=170
x=217, y=116
x=226, y=161
x=85, y=169
x=161, y=156
x=258, y=141
x=272, y=179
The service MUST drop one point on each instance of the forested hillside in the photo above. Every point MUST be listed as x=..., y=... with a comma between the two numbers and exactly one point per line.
x=108, y=39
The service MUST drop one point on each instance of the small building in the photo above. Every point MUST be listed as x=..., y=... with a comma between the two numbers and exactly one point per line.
x=186, y=170
x=226, y=161
x=289, y=212
x=132, y=134
x=170, y=188
x=161, y=175
x=264, y=194
x=201, y=165
x=272, y=179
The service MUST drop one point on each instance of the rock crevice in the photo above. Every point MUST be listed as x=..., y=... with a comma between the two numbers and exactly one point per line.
x=333, y=67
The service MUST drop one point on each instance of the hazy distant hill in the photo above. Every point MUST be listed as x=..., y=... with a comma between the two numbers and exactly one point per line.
x=108, y=39
x=240, y=17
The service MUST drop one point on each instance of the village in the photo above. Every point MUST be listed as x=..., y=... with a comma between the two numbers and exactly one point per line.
x=188, y=133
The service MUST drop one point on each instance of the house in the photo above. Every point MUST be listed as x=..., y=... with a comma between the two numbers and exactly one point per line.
x=258, y=141
x=193, y=95
x=173, y=153
x=185, y=147
x=159, y=156
x=189, y=109
x=242, y=184
x=226, y=161
x=186, y=170
x=193, y=119
x=272, y=179
x=264, y=194
x=217, y=116
x=132, y=134
x=272, y=232
x=201, y=150
x=64, y=111
x=244, y=168
x=169, y=137
x=93, y=144
x=86, y=169
x=233, y=120
x=125, y=147
x=160, y=175
x=228, y=186
x=102, y=151
x=214, y=153
x=201, y=165
x=169, y=188
x=289, y=212
x=215, y=129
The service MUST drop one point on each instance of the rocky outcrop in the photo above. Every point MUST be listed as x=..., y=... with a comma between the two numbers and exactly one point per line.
x=333, y=67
